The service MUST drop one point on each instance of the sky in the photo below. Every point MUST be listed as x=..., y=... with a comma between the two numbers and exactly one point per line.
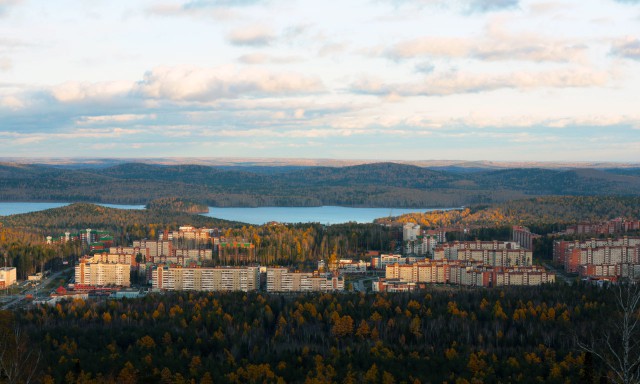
x=500, y=80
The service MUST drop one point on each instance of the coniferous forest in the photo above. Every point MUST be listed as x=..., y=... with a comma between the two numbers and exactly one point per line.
x=434, y=336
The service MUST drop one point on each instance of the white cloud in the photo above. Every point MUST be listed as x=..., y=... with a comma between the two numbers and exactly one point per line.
x=495, y=45
x=253, y=35
x=74, y=91
x=207, y=84
x=108, y=119
x=12, y=102
x=451, y=83
x=5, y=5
x=219, y=10
x=262, y=58
x=5, y=64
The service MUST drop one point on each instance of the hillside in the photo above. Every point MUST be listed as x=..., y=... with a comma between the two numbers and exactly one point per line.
x=119, y=221
x=551, y=212
x=373, y=185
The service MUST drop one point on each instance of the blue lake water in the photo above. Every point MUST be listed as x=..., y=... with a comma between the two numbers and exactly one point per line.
x=322, y=215
x=255, y=216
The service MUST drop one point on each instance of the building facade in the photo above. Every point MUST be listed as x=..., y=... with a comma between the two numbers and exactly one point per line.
x=7, y=276
x=281, y=280
x=93, y=272
x=205, y=279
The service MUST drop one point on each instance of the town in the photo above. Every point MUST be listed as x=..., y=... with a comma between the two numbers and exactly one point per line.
x=203, y=259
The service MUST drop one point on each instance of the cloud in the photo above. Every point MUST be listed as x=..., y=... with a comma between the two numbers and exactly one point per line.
x=5, y=6
x=255, y=36
x=109, y=119
x=262, y=58
x=206, y=84
x=12, y=102
x=464, y=6
x=218, y=9
x=495, y=45
x=76, y=92
x=628, y=48
x=5, y=64
x=492, y=5
x=424, y=67
x=628, y=1
x=451, y=83
x=220, y=3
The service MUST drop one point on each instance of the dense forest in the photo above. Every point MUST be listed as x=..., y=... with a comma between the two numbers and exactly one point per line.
x=373, y=185
x=526, y=335
x=176, y=204
x=541, y=214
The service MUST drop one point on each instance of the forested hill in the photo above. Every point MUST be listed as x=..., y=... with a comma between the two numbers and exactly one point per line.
x=374, y=185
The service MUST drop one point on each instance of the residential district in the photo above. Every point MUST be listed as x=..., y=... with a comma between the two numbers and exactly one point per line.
x=184, y=260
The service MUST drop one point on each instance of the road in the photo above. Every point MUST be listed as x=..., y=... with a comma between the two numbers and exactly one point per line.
x=33, y=291
x=559, y=273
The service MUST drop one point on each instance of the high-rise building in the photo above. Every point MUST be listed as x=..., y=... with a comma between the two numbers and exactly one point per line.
x=94, y=272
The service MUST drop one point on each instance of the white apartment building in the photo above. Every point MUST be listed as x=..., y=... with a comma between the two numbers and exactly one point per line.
x=206, y=279
x=95, y=273
x=410, y=231
x=281, y=280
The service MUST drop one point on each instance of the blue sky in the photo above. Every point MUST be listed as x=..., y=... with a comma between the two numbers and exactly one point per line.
x=511, y=80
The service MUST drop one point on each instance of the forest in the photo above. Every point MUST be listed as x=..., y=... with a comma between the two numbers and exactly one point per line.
x=541, y=214
x=369, y=185
x=440, y=335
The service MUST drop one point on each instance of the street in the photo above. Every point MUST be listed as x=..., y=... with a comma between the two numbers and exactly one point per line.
x=38, y=289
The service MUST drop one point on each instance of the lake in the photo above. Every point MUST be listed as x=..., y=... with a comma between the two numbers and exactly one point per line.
x=322, y=215
x=255, y=216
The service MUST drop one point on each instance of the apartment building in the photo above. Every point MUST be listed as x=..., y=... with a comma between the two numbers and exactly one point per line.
x=523, y=236
x=380, y=262
x=94, y=272
x=467, y=273
x=281, y=280
x=618, y=225
x=575, y=254
x=206, y=279
x=410, y=231
x=493, y=253
x=155, y=248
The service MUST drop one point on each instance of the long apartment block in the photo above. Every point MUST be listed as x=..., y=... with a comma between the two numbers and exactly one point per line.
x=206, y=279
x=282, y=280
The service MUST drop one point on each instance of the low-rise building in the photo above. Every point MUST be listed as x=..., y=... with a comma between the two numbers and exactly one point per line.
x=392, y=285
x=7, y=276
x=349, y=266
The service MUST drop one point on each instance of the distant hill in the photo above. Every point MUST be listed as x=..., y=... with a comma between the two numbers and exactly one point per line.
x=373, y=185
x=122, y=221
